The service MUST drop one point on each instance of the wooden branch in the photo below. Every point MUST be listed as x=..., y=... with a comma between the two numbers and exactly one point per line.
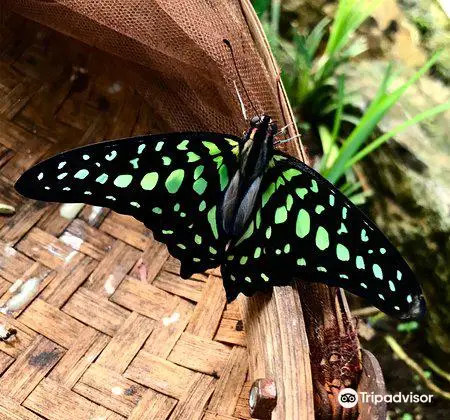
x=371, y=381
x=278, y=350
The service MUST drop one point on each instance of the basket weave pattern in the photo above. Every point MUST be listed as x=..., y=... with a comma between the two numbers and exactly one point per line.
x=111, y=332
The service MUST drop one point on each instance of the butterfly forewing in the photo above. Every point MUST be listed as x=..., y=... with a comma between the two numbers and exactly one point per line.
x=173, y=183
x=303, y=227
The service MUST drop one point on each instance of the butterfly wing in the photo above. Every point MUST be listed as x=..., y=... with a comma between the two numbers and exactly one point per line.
x=173, y=183
x=303, y=227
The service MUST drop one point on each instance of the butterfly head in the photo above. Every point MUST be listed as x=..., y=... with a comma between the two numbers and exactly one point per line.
x=261, y=126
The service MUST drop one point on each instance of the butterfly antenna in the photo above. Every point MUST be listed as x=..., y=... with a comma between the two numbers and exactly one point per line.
x=287, y=140
x=228, y=44
x=241, y=102
x=283, y=129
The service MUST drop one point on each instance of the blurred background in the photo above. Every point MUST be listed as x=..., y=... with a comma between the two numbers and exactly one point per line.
x=369, y=85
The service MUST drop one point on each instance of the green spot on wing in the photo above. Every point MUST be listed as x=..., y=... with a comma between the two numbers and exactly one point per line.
x=319, y=209
x=157, y=210
x=332, y=200
x=258, y=219
x=223, y=177
x=344, y=212
x=247, y=234
x=301, y=192
x=212, y=148
x=264, y=277
x=290, y=173
x=342, y=229
x=314, y=186
x=202, y=206
x=183, y=145
x=111, y=155
x=289, y=202
x=135, y=163
x=174, y=180
x=81, y=174
x=193, y=157
x=212, y=221
x=279, y=158
x=198, y=239
x=267, y=194
x=166, y=160
x=200, y=186
x=301, y=261
x=280, y=181
x=159, y=146
x=322, y=239
x=141, y=148
x=149, y=181
x=280, y=215
x=377, y=272
x=198, y=171
x=122, y=181
x=243, y=260
x=231, y=142
x=360, y=262
x=257, y=253
x=342, y=252
x=218, y=160
x=303, y=224
x=364, y=236
x=102, y=178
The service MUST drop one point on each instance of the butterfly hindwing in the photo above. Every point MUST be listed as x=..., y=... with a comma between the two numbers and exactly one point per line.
x=303, y=227
x=173, y=183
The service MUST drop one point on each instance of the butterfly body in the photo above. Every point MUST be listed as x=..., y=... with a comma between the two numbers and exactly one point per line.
x=216, y=199
x=255, y=154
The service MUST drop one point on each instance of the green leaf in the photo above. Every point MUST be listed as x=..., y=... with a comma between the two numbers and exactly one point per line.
x=275, y=21
x=408, y=326
x=327, y=146
x=373, y=115
x=315, y=37
x=340, y=107
x=429, y=113
x=261, y=6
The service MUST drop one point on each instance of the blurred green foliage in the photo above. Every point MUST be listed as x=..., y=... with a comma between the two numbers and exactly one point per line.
x=408, y=326
x=314, y=77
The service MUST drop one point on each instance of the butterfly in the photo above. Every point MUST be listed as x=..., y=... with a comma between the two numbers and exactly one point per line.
x=217, y=199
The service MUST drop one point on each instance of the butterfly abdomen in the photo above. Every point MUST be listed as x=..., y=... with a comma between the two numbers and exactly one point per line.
x=256, y=151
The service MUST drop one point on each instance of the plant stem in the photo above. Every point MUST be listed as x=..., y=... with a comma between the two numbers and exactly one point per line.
x=401, y=354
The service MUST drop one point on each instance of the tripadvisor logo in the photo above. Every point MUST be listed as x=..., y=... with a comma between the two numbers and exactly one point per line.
x=348, y=398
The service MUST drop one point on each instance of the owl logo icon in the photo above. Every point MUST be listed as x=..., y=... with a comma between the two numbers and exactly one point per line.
x=348, y=397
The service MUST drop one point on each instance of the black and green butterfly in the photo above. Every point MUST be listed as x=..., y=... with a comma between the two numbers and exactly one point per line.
x=216, y=199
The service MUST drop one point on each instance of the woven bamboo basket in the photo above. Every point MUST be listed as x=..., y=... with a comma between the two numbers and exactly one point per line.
x=110, y=331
